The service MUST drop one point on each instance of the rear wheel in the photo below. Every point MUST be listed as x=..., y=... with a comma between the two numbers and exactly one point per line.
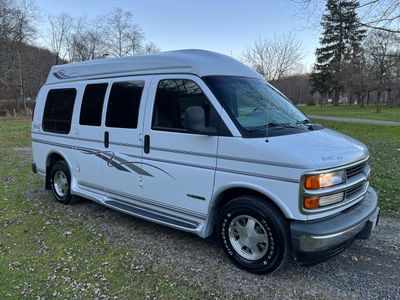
x=254, y=235
x=60, y=179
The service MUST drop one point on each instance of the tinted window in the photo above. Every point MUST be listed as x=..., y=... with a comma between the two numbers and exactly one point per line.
x=92, y=104
x=123, y=104
x=173, y=97
x=58, y=110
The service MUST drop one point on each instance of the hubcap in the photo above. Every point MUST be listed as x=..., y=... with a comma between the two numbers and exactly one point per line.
x=248, y=237
x=60, y=184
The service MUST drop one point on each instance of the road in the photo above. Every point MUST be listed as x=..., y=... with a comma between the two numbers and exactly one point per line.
x=354, y=120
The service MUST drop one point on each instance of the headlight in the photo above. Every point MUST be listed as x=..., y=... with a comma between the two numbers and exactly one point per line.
x=324, y=180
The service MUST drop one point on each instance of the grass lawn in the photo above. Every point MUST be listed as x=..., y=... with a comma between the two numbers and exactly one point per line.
x=354, y=111
x=384, y=146
x=45, y=255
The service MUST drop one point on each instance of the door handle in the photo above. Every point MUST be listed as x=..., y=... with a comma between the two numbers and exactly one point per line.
x=106, y=139
x=146, y=147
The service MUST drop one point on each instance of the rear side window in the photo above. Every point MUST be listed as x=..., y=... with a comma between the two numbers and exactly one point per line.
x=58, y=110
x=92, y=104
x=123, y=104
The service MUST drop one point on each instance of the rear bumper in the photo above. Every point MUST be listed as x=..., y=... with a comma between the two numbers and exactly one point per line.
x=321, y=239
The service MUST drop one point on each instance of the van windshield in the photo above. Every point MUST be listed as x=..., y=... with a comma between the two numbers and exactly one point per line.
x=254, y=105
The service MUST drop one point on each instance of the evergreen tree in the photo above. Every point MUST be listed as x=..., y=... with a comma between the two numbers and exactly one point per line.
x=341, y=44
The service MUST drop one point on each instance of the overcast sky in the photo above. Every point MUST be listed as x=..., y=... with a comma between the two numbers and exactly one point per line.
x=218, y=25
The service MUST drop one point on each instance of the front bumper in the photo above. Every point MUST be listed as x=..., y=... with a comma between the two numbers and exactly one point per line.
x=319, y=240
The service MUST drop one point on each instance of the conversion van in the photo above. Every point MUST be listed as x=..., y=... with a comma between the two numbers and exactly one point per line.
x=197, y=141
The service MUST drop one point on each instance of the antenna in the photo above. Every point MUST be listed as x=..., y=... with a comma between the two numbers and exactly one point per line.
x=267, y=122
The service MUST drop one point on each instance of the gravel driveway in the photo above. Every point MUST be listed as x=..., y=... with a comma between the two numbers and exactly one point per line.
x=368, y=269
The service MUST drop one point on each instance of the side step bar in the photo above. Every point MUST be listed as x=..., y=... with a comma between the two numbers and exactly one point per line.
x=148, y=213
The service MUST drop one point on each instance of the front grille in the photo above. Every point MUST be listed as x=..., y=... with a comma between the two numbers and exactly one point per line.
x=357, y=169
x=350, y=193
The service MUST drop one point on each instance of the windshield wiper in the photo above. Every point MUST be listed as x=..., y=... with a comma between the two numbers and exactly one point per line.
x=271, y=124
x=305, y=122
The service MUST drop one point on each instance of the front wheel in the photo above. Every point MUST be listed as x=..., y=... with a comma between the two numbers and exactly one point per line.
x=254, y=235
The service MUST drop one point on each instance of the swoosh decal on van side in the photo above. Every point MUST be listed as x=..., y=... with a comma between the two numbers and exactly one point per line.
x=181, y=163
x=116, y=161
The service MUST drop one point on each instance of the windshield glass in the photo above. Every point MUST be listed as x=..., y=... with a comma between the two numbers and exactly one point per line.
x=253, y=103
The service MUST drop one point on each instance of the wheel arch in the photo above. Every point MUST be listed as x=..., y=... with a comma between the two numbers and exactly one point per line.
x=231, y=191
x=53, y=157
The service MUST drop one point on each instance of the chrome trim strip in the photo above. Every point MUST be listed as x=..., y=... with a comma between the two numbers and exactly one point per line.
x=221, y=169
x=259, y=175
x=262, y=162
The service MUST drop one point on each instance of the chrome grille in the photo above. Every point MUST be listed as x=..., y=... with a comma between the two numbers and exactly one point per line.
x=357, y=169
x=355, y=191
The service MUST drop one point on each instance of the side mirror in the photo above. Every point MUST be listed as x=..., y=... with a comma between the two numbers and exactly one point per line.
x=195, y=121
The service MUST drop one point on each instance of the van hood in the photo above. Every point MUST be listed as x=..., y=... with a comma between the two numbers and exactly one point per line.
x=326, y=148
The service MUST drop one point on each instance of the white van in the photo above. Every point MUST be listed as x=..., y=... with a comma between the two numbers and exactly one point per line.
x=197, y=141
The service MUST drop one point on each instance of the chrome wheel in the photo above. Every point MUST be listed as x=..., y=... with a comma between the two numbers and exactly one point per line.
x=60, y=183
x=248, y=237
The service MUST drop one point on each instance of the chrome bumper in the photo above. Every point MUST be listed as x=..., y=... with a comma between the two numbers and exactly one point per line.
x=330, y=233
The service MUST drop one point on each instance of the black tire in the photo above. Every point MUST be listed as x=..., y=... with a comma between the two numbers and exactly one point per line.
x=269, y=222
x=62, y=194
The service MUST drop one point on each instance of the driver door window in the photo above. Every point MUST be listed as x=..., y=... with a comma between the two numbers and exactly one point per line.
x=173, y=97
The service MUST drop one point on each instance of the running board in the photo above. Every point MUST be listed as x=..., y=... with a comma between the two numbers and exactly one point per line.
x=152, y=215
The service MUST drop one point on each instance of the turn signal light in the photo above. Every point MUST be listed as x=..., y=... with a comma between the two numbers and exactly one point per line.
x=311, y=202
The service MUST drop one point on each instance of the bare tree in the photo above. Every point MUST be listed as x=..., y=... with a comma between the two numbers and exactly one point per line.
x=383, y=51
x=21, y=30
x=150, y=47
x=86, y=40
x=7, y=24
x=274, y=59
x=135, y=38
x=122, y=36
x=60, y=28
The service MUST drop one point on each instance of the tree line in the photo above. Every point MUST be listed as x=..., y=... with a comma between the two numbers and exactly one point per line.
x=358, y=60
x=114, y=35
x=354, y=63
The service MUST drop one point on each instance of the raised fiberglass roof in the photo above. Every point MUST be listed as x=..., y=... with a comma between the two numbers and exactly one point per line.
x=198, y=62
